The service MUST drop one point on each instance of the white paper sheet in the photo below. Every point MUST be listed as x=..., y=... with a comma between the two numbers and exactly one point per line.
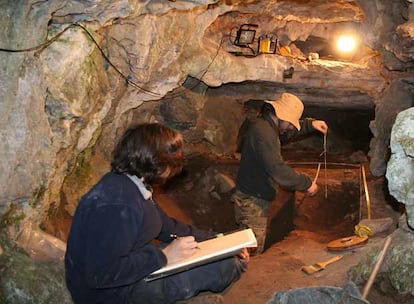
x=209, y=251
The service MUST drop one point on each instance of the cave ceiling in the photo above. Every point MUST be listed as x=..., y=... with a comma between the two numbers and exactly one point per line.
x=211, y=53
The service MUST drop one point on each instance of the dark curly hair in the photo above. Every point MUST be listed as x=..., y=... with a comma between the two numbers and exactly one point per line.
x=149, y=151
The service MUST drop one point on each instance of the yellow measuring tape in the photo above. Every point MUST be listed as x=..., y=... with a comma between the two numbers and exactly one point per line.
x=363, y=230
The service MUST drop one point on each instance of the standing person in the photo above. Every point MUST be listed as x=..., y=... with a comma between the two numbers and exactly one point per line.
x=262, y=168
x=110, y=248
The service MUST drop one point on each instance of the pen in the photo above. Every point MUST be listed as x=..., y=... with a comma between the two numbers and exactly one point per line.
x=174, y=236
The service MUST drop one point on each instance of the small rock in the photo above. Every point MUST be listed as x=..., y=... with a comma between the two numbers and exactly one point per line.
x=358, y=157
x=215, y=195
x=313, y=56
x=378, y=225
x=224, y=183
x=188, y=186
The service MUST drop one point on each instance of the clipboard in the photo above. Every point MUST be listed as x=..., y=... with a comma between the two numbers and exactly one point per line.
x=209, y=251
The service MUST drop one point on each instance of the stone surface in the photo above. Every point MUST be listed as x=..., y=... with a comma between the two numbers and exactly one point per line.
x=27, y=156
x=72, y=92
x=400, y=167
x=396, y=98
x=64, y=105
x=395, y=275
x=182, y=112
x=29, y=281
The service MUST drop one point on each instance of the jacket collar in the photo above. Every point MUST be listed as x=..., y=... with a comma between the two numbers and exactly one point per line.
x=139, y=182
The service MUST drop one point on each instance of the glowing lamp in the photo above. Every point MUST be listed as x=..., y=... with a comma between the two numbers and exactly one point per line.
x=346, y=44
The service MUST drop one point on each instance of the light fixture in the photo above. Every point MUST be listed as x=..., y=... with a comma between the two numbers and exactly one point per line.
x=267, y=44
x=346, y=44
x=245, y=35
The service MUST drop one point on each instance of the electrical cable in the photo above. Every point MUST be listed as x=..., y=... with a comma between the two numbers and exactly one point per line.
x=49, y=42
x=204, y=71
x=128, y=81
x=134, y=84
x=40, y=46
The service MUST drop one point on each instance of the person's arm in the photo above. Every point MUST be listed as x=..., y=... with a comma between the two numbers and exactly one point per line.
x=182, y=247
x=320, y=125
x=172, y=226
x=267, y=149
x=113, y=257
x=308, y=125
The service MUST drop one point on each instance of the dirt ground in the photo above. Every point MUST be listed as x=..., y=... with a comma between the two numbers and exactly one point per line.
x=195, y=197
x=201, y=196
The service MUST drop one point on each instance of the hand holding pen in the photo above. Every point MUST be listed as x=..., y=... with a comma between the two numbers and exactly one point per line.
x=174, y=236
x=181, y=247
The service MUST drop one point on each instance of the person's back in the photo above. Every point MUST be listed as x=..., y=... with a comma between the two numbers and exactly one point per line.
x=262, y=169
x=261, y=143
x=90, y=278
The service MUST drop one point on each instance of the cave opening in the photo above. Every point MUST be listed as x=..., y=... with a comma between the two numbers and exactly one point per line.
x=349, y=127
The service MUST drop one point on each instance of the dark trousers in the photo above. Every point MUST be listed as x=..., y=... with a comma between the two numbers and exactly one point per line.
x=253, y=212
x=213, y=277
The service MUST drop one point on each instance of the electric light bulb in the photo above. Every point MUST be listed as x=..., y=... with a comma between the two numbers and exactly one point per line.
x=346, y=44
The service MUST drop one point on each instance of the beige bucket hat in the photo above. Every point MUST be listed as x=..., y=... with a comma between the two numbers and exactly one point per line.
x=289, y=108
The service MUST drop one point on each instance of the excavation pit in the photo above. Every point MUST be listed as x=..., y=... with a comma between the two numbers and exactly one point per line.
x=196, y=197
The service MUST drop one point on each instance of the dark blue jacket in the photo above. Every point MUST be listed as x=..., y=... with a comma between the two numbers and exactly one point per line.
x=110, y=245
x=262, y=168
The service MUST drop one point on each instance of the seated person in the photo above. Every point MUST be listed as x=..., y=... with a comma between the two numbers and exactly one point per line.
x=110, y=248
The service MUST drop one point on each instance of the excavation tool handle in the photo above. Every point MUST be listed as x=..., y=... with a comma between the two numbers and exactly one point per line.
x=376, y=268
x=317, y=173
x=366, y=193
x=331, y=260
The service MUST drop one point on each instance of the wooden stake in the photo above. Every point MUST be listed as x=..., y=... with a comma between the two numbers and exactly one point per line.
x=317, y=173
x=376, y=268
x=366, y=193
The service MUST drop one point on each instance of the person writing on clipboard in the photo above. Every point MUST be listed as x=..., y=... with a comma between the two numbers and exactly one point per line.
x=262, y=168
x=110, y=248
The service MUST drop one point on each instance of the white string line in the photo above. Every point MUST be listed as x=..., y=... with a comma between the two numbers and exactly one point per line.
x=324, y=152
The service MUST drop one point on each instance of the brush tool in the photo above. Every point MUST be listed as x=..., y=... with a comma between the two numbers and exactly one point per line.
x=321, y=265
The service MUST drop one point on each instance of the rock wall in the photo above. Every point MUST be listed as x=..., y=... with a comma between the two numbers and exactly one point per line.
x=87, y=70
x=75, y=74
x=400, y=167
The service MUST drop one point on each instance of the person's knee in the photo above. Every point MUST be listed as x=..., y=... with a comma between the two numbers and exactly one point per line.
x=232, y=268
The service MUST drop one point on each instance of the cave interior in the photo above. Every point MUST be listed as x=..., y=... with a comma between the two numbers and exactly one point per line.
x=78, y=74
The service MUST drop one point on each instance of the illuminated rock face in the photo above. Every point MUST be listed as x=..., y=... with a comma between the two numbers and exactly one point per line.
x=64, y=105
x=400, y=167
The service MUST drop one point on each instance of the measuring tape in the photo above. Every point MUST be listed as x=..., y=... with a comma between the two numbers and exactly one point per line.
x=363, y=230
